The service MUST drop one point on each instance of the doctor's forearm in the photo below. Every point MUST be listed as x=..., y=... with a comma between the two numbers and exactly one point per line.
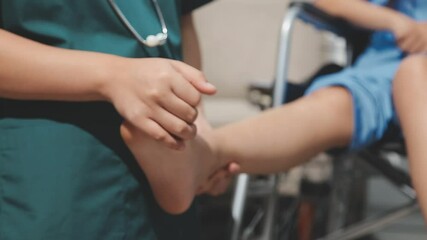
x=30, y=70
x=190, y=42
x=363, y=13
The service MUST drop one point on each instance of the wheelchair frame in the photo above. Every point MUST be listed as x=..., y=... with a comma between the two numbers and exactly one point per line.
x=311, y=15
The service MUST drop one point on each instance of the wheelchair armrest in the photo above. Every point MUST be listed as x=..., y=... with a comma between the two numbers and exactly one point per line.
x=310, y=14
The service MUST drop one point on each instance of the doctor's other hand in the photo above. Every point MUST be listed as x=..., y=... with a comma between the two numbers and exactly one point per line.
x=220, y=180
x=411, y=36
x=158, y=96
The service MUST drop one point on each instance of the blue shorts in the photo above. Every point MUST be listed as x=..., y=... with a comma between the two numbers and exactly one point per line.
x=370, y=84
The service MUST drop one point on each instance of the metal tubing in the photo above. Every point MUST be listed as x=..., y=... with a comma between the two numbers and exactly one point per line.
x=238, y=205
x=373, y=224
x=268, y=232
x=284, y=53
x=278, y=99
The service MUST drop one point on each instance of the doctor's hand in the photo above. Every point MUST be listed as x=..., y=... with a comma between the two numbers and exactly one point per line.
x=159, y=97
x=411, y=36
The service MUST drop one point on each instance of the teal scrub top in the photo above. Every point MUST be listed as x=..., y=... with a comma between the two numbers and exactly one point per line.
x=64, y=171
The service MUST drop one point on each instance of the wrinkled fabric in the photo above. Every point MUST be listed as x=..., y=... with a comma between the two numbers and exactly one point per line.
x=369, y=80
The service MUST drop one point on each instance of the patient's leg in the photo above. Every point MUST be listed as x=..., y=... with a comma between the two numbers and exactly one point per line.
x=284, y=137
x=410, y=97
x=174, y=175
x=270, y=142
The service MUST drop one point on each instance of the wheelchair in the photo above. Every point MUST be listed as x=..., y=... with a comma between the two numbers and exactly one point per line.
x=324, y=211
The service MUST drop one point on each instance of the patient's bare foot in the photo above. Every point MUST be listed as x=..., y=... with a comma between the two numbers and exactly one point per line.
x=174, y=175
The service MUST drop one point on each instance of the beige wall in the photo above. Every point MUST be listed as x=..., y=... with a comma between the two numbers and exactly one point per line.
x=239, y=43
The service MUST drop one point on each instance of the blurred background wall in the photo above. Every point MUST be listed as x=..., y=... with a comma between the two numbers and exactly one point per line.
x=239, y=41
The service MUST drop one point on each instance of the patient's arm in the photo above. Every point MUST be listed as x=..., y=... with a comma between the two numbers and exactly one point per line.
x=411, y=35
x=363, y=13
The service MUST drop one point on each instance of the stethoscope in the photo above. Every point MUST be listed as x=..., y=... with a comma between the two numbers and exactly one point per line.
x=156, y=40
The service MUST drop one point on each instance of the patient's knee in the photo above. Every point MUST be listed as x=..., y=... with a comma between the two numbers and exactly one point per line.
x=337, y=107
x=338, y=98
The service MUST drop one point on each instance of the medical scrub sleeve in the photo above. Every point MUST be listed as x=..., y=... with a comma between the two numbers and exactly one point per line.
x=65, y=173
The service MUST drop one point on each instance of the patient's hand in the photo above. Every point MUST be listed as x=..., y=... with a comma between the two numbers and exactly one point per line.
x=411, y=36
x=175, y=176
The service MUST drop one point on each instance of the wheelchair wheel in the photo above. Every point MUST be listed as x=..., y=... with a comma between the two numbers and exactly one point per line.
x=322, y=208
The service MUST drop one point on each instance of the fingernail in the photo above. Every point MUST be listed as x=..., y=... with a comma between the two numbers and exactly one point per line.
x=210, y=85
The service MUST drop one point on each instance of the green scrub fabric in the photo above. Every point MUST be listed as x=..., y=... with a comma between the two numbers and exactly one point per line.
x=65, y=173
